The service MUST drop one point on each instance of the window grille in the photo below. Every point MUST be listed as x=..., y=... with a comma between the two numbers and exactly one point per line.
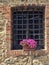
x=27, y=23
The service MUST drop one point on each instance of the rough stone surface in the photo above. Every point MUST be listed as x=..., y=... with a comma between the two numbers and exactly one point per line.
x=25, y=60
x=19, y=60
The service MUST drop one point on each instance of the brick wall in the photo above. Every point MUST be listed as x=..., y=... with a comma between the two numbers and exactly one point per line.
x=7, y=17
x=47, y=25
x=8, y=32
x=8, y=27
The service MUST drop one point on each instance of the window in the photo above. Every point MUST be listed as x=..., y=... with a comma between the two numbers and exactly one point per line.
x=27, y=23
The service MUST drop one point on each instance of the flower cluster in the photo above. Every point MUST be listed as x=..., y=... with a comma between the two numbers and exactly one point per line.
x=30, y=42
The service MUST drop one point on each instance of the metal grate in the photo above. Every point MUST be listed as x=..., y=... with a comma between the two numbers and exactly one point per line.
x=28, y=24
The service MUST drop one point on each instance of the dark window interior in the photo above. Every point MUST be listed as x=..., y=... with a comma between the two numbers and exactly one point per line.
x=27, y=23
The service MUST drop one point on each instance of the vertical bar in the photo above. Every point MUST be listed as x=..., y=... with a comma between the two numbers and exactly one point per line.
x=27, y=26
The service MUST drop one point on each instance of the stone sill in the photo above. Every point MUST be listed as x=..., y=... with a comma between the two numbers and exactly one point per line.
x=14, y=53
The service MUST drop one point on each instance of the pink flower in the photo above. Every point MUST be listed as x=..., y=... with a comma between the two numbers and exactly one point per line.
x=30, y=42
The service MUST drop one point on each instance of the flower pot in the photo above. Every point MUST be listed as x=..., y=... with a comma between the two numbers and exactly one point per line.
x=26, y=47
x=28, y=44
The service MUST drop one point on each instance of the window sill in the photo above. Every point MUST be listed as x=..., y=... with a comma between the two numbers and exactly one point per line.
x=22, y=52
